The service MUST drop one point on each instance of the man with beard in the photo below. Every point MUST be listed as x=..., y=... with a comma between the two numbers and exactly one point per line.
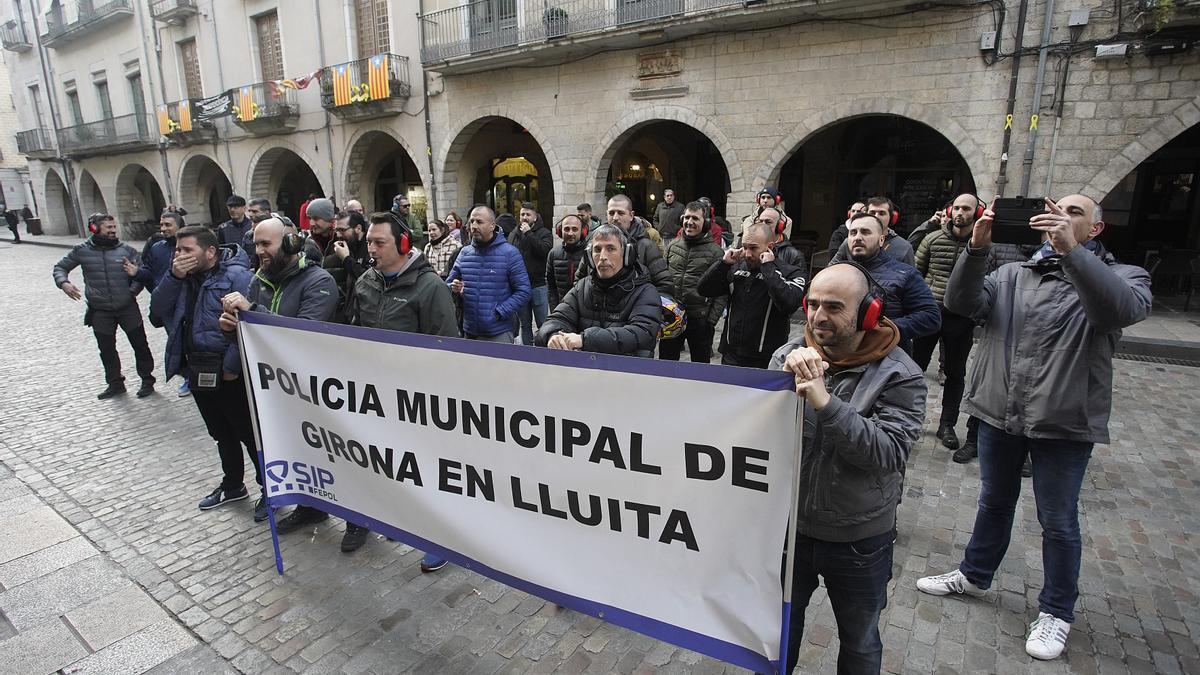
x=615, y=310
x=534, y=240
x=763, y=294
x=400, y=292
x=565, y=258
x=864, y=407
x=842, y=231
x=767, y=198
x=643, y=251
x=688, y=258
x=257, y=210
x=936, y=257
x=347, y=258
x=237, y=228
x=490, y=276
x=188, y=302
x=907, y=300
x=156, y=263
x=111, y=302
x=771, y=217
x=321, y=216
x=286, y=284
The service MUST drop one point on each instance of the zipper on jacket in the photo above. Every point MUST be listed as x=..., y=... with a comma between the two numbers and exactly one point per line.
x=766, y=318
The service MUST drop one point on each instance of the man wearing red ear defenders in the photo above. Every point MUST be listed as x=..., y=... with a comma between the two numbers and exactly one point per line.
x=767, y=198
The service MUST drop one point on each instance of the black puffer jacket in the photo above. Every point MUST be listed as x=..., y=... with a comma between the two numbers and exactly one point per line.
x=688, y=258
x=936, y=257
x=645, y=254
x=561, y=265
x=107, y=287
x=621, y=315
x=761, y=304
x=534, y=246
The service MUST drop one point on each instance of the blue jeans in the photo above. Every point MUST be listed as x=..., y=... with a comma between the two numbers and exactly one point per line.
x=1058, y=470
x=535, y=309
x=856, y=577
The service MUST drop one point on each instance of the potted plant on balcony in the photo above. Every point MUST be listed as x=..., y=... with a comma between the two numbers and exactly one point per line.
x=555, y=19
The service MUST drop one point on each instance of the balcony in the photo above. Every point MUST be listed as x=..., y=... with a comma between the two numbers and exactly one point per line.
x=367, y=88
x=173, y=11
x=263, y=109
x=1153, y=16
x=175, y=122
x=90, y=19
x=12, y=36
x=487, y=34
x=36, y=143
x=126, y=133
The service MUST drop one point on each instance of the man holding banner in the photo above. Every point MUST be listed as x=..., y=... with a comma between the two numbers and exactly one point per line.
x=401, y=292
x=865, y=407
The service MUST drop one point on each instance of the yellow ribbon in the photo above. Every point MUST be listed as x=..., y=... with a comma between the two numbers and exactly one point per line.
x=1033, y=120
x=1007, y=122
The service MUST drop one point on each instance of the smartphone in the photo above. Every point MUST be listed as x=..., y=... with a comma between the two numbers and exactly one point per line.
x=1011, y=222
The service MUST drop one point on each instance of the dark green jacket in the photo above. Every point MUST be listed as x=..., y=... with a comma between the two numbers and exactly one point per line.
x=936, y=257
x=416, y=301
x=687, y=260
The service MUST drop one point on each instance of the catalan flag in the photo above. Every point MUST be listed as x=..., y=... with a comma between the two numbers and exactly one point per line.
x=341, y=85
x=164, y=121
x=185, y=115
x=246, y=107
x=380, y=87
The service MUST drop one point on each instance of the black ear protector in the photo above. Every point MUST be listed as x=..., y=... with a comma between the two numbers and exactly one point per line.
x=583, y=226
x=980, y=207
x=94, y=220
x=870, y=309
x=291, y=243
x=400, y=233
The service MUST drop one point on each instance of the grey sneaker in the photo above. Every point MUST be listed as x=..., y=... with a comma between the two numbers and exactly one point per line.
x=221, y=497
x=950, y=582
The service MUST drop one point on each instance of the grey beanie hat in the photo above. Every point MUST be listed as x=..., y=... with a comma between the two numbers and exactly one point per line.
x=321, y=208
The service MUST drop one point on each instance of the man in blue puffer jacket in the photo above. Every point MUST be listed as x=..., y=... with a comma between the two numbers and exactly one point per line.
x=188, y=302
x=490, y=276
x=157, y=260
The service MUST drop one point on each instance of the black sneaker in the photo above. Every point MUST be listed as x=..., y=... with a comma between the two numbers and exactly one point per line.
x=146, y=389
x=354, y=538
x=967, y=452
x=300, y=517
x=111, y=391
x=433, y=567
x=947, y=436
x=261, y=510
x=1027, y=468
x=221, y=497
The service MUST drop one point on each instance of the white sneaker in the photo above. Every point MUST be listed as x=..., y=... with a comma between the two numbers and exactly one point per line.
x=1047, y=637
x=950, y=582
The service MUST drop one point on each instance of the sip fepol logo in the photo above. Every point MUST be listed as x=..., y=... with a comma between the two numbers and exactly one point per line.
x=289, y=476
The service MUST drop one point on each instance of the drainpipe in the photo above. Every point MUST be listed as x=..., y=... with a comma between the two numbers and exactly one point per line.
x=1002, y=176
x=68, y=170
x=162, y=90
x=428, y=119
x=328, y=118
x=1031, y=145
x=1061, y=93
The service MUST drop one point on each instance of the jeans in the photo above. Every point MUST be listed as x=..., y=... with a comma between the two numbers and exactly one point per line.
x=104, y=327
x=1058, y=470
x=856, y=576
x=505, y=338
x=955, y=336
x=226, y=413
x=699, y=337
x=535, y=309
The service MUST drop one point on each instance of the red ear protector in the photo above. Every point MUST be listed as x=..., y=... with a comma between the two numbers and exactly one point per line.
x=583, y=226
x=781, y=226
x=94, y=220
x=870, y=309
x=400, y=233
x=980, y=207
x=895, y=215
x=778, y=198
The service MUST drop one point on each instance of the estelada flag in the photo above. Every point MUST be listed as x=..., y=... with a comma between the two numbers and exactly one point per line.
x=341, y=85
x=380, y=87
x=185, y=115
x=164, y=121
x=246, y=104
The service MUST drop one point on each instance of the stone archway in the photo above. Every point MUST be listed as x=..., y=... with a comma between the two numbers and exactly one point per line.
x=139, y=197
x=455, y=188
x=379, y=166
x=91, y=197
x=1150, y=141
x=203, y=188
x=284, y=175
x=56, y=206
x=629, y=125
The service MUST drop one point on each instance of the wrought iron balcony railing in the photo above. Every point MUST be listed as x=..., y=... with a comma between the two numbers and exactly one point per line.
x=176, y=122
x=35, y=143
x=265, y=107
x=173, y=11
x=482, y=26
x=375, y=86
x=90, y=18
x=126, y=132
x=12, y=36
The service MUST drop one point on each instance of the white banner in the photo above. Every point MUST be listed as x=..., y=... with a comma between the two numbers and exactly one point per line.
x=652, y=494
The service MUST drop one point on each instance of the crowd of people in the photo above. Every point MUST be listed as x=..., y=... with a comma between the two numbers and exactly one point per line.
x=1048, y=319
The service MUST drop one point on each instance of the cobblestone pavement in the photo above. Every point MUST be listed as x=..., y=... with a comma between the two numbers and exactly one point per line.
x=127, y=474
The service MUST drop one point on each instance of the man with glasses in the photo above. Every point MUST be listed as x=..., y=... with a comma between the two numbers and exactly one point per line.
x=402, y=207
x=347, y=258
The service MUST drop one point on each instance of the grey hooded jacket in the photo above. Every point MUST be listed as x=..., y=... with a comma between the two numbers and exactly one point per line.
x=856, y=448
x=107, y=287
x=1043, y=368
